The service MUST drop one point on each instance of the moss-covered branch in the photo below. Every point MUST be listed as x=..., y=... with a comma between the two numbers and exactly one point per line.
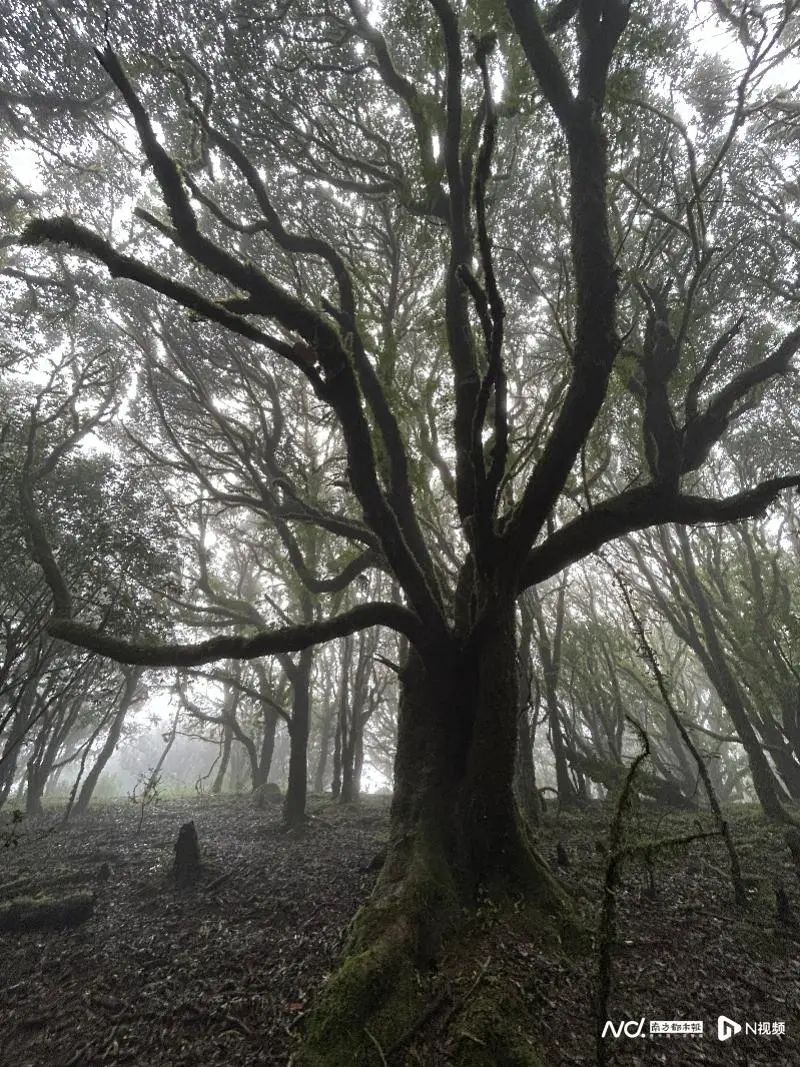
x=638, y=509
x=263, y=643
x=65, y=231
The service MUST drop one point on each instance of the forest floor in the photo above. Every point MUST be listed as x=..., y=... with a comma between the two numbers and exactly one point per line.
x=223, y=974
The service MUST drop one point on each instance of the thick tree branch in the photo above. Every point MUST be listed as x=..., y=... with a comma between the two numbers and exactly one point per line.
x=596, y=287
x=65, y=231
x=495, y=377
x=274, y=302
x=638, y=509
x=543, y=60
x=400, y=537
x=263, y=643
x=154, y=654
x=703, y=431
x=419, y=106
x=460, y=341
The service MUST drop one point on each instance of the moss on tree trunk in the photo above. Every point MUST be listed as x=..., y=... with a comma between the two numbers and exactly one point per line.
x=456, y=837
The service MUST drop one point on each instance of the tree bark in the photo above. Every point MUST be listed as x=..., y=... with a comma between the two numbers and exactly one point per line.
x=527, y=791
x=341, y=710
x=225, y=755
x=347, y=719
x=550, y=655
x=294, y=810
x=36, y=776
x=525, y=779
x=456, y=834
x=326, y=731
x=267, y=746
x=132, y=677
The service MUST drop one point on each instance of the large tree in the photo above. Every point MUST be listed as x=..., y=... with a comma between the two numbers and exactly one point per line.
x=529, y=295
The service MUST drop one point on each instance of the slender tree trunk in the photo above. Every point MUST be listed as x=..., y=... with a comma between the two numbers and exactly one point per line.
x=8, y=768
x=110, y=744
x=239, y=768
x=264, y=765
x=343, y=752
x=155, y=773
x=341, y=714
x=326, y=731
x=294, y=810
x=529, y=702
x=550, y=655
x=325, y=734
x=353, y=754
x=356, y=714
x=219, y=778
x=336, y=779
x=525, y=778
x=36, y=779
x=724, y=682
x=230, y=708
x=358, y=761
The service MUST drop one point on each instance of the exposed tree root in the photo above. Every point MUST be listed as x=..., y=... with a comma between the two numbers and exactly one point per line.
x=390, y=989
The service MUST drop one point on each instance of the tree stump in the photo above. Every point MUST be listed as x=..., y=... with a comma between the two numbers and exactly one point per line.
x=187, y=856
x=266, y=795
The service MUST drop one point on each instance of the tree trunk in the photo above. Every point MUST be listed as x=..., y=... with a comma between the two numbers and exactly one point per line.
x=358, y=763
x=112, y=740
x=721, y=677
x=456, y=834
x=347, y=717
x=8, y=764
x=336, y=777
x=550, y=655
x=219, y=779
x=325, y=735
x=267, y=746
x=324, y=747
x=36, y=780
x=525, y=780
x=294, y=810
x=238, y=776
x=529, y=702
